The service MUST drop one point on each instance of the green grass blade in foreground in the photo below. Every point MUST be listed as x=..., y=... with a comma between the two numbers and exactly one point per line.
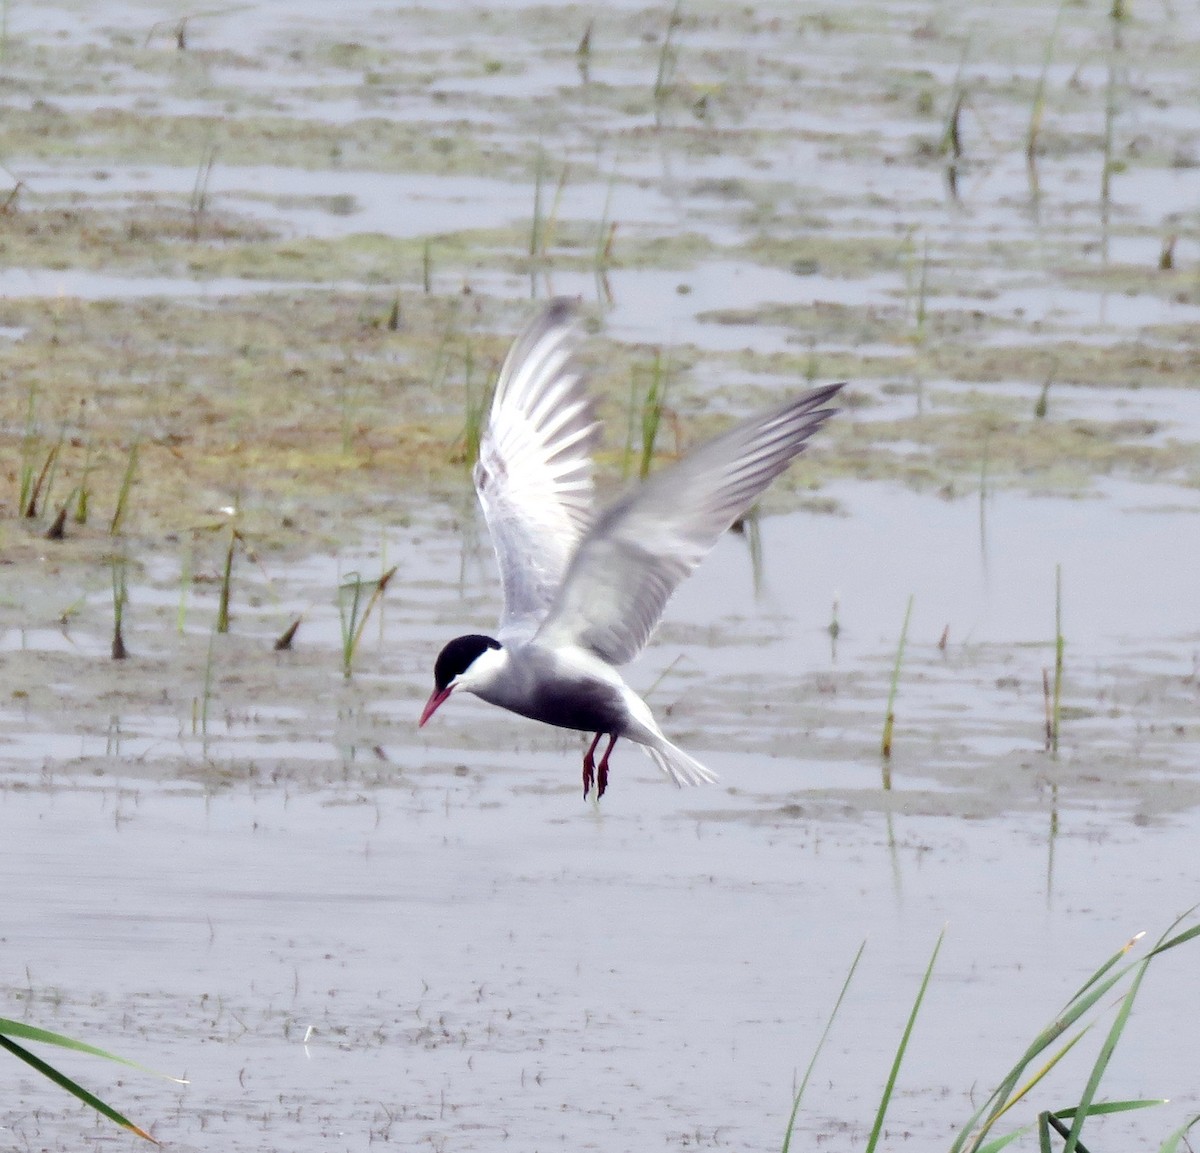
x=787, y=1136
x=1048, y=1120
x=1004, y=1104
x=71, y=1087
x=999, y=1143
x=1182, y=938
x=1121, y=952
x=1003, y=1098
x=46, y=1037
x=1084, y=1109
x=1101, y=1108
x=1100, y=982
x=912, y=1020
x=1171, y=1144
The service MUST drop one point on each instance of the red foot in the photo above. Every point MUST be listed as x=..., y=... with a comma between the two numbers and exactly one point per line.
x=602, y=772
x=589, y=766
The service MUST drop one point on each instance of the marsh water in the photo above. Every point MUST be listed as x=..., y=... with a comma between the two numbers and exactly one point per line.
x=261, y=262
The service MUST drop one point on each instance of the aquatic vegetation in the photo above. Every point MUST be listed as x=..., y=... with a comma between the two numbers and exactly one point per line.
x=302, y=284
x=1081, y=1013
x=643, y=417
x=222, y=625
x=668, y=54
x=354, y=613
x=1038, y=106
x=889, y=720
x=120, y=598
x=127, y=479
x=11, y=1029
x=1054, y=708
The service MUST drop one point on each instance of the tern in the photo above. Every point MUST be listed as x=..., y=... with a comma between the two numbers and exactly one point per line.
x=584, y=588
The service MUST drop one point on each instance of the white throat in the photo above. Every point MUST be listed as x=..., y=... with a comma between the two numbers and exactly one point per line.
x=484, y=672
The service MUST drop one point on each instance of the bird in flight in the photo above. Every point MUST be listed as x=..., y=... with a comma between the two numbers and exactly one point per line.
x=584, y=588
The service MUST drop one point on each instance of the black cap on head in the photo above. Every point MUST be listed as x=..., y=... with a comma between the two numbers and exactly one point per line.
x=458, y=656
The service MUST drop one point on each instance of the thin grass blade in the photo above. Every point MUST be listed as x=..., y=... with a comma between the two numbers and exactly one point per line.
x=885, y=746
x=787, y=1136
x=1100, y=1108
x=998, y=1143
x=1172, y=1142
x=1071, y=1012
x=65, y=1082
x=895, y=1070
x=46, y=1037
x=1007, y=1103
x=1189, y=935
x=376, y=595
x=1083, y=1109
x=1123, y=951
x=1096, y=986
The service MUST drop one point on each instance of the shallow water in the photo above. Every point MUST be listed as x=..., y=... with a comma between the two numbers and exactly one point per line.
x=479, y=962
x=234, y=865
x=478, y=952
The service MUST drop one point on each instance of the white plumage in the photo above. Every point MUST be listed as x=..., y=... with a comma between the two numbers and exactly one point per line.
x=583, y=591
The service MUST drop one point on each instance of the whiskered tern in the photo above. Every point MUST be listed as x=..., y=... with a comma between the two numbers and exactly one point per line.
x=584, y=588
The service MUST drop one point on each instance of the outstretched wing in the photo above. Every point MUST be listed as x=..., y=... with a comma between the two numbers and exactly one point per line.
x=534, y=473
x=638, y=550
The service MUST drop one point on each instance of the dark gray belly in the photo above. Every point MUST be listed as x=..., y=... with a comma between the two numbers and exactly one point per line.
x=590, y=706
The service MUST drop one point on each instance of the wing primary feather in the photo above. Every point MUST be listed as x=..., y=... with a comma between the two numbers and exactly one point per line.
x=534, y=473
x=637, y=551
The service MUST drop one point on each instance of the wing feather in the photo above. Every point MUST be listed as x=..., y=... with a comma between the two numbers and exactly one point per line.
x=638, y=550
x=534, y=473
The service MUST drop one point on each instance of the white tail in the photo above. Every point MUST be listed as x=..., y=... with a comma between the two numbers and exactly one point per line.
x=681, y=768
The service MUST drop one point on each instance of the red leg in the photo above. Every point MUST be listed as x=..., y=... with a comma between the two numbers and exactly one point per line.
x=589, y=765
x=602, y=772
